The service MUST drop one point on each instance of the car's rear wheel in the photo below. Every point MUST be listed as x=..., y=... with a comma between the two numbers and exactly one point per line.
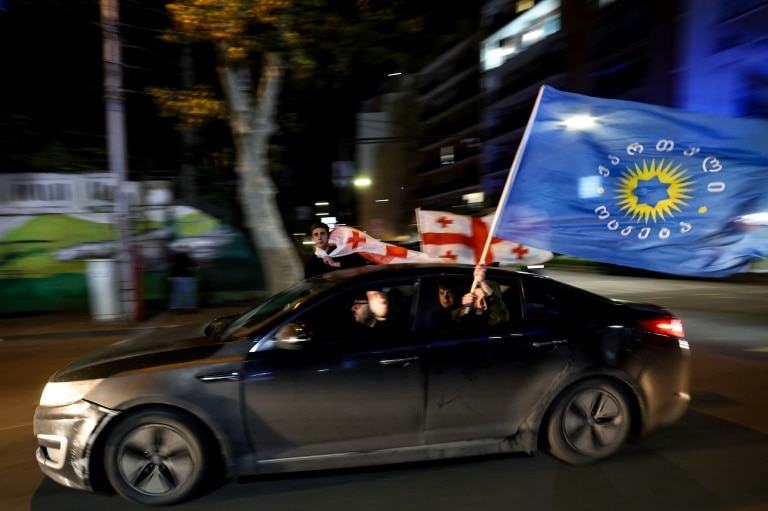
x=589, y=421
x=157, y=457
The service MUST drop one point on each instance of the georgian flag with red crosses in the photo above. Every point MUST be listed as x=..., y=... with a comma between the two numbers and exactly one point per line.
x=349, y=240
x=462, y=238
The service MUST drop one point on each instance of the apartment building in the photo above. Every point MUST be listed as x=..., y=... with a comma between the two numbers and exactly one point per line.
x=470, y=106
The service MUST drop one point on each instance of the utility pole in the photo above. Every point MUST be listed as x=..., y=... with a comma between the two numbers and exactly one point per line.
x=114, y=102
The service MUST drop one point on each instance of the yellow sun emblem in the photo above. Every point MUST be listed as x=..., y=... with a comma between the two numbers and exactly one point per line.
x=653, y=190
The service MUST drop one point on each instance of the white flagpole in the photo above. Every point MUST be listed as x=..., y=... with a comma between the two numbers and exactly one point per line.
x=512, y=174
x=508, y=185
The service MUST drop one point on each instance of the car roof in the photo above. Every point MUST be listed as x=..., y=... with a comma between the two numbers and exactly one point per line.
x=416, y=270
x=352, y=277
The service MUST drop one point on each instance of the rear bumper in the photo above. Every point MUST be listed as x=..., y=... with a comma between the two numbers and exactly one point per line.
x=666, y=384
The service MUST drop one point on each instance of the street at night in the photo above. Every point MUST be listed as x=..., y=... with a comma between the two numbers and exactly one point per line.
x=170, y=164
x=712, y=459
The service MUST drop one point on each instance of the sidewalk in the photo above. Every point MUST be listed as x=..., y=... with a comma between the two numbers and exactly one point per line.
x=79, y=323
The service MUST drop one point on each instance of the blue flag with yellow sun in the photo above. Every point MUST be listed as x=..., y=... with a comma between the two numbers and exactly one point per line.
x=639, y=185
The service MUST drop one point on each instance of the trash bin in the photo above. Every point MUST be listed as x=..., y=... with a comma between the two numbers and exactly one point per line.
x=102, y=289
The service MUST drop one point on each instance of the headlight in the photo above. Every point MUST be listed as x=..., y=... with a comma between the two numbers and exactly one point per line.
x=66, y=393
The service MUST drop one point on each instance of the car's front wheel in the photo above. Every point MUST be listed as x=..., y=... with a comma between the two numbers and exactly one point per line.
x=156, y=458
x=589, y=421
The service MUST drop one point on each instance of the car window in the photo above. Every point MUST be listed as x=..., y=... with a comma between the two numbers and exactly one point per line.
x=379, y=311
x=439, y=313
x=545, y=299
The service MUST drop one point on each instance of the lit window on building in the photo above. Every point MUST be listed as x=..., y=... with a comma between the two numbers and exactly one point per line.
x=447, y=155
x=536, y=23
x=524, y=5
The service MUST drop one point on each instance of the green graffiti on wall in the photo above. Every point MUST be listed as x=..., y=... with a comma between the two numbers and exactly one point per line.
x=43, y=257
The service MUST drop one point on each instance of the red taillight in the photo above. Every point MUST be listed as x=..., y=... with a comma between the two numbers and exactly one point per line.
x=664, y=326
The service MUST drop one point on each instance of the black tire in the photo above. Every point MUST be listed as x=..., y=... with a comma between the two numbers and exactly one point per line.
x=157, y=458
x=589, y=421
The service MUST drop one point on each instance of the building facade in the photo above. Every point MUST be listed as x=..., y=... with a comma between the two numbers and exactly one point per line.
x=446, y=156
x=618, y=49
x=472, y=104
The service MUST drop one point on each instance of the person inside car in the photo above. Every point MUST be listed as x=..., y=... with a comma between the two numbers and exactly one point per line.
x=483, y=304
x=449, y=311
x=371, y=309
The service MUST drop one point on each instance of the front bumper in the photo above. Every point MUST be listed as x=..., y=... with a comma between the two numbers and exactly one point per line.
x=65, y=437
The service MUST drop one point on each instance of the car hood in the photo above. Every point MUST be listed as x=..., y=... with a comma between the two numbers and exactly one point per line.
x=164, y=346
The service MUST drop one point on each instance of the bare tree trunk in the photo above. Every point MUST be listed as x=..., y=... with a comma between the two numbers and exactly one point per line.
x=252, y=123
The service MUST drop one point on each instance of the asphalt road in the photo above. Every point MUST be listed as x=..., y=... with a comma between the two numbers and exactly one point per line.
x=713, y=459
x=716, y=313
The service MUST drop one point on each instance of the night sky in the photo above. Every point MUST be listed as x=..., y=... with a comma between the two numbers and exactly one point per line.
x=51, y=106
x=51, y=79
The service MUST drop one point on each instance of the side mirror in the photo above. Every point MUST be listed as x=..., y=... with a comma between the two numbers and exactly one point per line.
x=292, y=336
x=216, y=326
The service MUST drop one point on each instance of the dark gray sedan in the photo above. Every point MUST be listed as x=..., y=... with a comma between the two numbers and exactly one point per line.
x=373, y=365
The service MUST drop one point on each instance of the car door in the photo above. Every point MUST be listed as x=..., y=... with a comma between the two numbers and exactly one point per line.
x=483, y=381
x=348, y=389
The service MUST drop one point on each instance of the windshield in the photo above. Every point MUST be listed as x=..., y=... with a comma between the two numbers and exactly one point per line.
x=285, y=300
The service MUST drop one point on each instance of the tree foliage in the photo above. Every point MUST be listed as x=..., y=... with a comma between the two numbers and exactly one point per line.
x=322, y=42
x=193, y=107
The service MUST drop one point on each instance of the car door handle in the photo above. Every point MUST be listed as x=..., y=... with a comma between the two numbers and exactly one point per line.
x=398, y=361
x=549, y=343
x=228, y=376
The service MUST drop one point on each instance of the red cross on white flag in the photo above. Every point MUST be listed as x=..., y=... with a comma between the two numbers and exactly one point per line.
x=462, y=239
x=349, y=240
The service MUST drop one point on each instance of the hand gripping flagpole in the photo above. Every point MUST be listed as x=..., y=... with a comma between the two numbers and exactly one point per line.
x=510, y=179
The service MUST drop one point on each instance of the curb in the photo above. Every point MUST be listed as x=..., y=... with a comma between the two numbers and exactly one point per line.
x=63, y=327
x=81, y=333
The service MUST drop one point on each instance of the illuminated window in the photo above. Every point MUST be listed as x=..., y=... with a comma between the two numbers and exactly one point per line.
x=473, y=198
x=536, y=23
x=446, y=155
x=524, y=5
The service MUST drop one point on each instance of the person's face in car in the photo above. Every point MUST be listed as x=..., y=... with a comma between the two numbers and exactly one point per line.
x=480, y=304
x=371, y=309
x=362, y=311
x=446, y=296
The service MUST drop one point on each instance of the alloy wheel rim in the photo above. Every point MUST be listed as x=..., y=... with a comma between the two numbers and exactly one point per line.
x=593, y=422
x=155, y=459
